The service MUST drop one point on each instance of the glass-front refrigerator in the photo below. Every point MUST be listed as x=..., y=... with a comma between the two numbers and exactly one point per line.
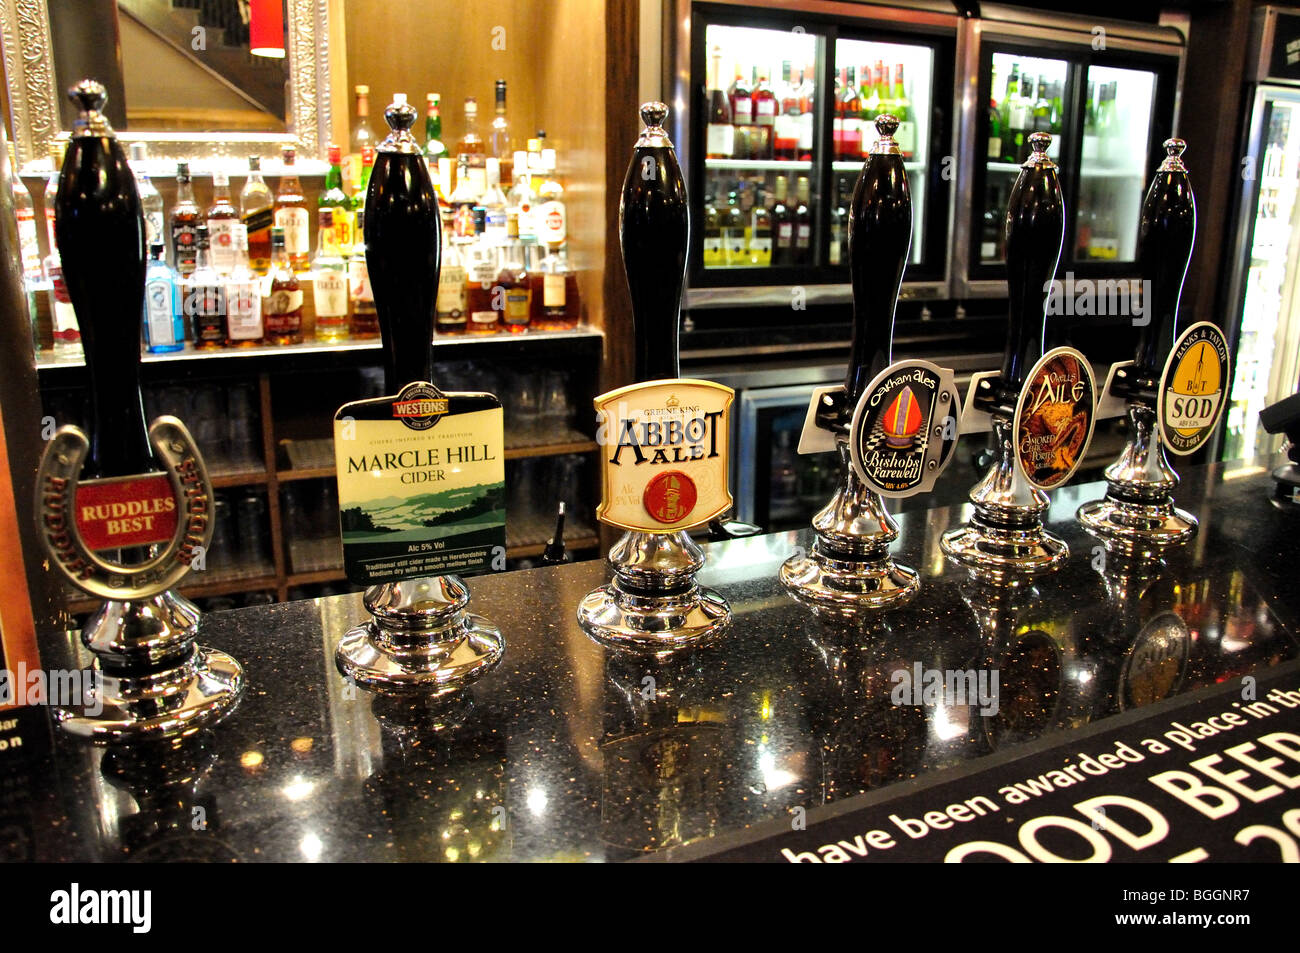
x=1263, y=290
x=782, y=111
x=1108, y=111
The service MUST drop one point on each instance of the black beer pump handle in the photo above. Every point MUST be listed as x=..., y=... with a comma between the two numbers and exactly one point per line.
x=403, y=234
x=1035, y=231
x=1166, y=233
x=100, y=234
x=880, y=236
x=654, y=230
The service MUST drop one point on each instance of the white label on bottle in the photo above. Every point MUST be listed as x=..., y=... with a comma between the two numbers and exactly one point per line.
x=803, y=236
x=31, y=249
x=784, y=234
x=551, y=224
x=742, y=111
x=712, y=246
x=244, y=310
x=760, y=246
x=294, y=223
x=834, y=251
x=221, y=243
x=988, y=251
x=451, y=291
x=765, y=112
x=553, y=291
x=159, y=303
x=995, y=148
x=905, y=137
x=805, y=131
x=720, y=139
x=153, y=227
x=483, y=317
x=330, y=294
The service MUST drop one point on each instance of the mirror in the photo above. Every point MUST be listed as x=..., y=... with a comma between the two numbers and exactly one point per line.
x=187, y=84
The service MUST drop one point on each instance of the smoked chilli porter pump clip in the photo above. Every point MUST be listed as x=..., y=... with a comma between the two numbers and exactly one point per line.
x=1040, y=405
x=399, y=471
x=664, y=440
x=126, y=512
x=894, y=426
x=1174, y=390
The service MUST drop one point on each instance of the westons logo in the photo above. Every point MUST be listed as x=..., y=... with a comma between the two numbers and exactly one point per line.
x=420, y=406
x=102, y=907
x=1105, y=297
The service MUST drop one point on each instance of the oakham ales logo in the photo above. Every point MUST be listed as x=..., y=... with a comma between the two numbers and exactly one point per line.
x=666, y=457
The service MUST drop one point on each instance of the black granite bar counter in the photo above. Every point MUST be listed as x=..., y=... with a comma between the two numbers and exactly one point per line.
x=572, y=751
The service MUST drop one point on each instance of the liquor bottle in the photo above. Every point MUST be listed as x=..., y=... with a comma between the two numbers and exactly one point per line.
x=471, y=146
x=329, y=279
x=733, y=233
x=765, y=110
x=785, y=135
x=339, y=202
x=67, y=333
x=184, y=222
x=364, y=323
x=360, y=141
x=995, y=132
x=500, y=144
x=720, y=136
x=494, y=206
x=291, y=213
x=51, y=190
x=462, y=201
x=480, y=297
x=257, y=213
x=522, y=200
x=552, y=217
x=244, y=326
x=403, y=233
x=151, y=202
x=25, y=211
x=205, y=297
x=803, y=224
x=839, y=226
x=451, y=316
x=282, y=305
x=434, y=147
x=222, y=218
x=807, y=106
x=513, y=281
x=901, y=107
x=848, y=141
x=991, y=228
x=1090, y=149
x=742, y=115
x=359, y=196
x=760, y=236
x=782, y=225
x=1042, y=108
x=555, y=302
x=164, y=325
x=1054, y=99
x=1008, y=105
x=712, y=247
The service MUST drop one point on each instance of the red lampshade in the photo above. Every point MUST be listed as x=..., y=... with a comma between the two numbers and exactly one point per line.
x=266, y=28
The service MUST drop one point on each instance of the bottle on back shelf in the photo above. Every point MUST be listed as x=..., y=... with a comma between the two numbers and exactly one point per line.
x=450, y=316
x=434, y=148
x=184, y=221
x=364, y=323
x=785, y=134
x=847, y=129
x=222, y=218
x=329, y=278
x=807, y=106
x=151, y=202
x=837, y=251
x=765, y=112
x=901, y=108
x=991, y=227
x=712, y=245
x=995, y=132
x=51, y=191
x=555, y=302
x=523, y=200
x=164, y=325
x=205, y=296
x=552, y=216
x=335, y=199
x=28, y=241
x=257, y=213
x=472, y=147
x=462, y=201
x=481, y=301
x=360, y=141
x=760, y=235
x=494, y=205
x=720, y=136
x=733, y=232
x=742, y=115
x=500, y=144
x=803, y=224
x=782, y=224
x=282, y=306
x=513, y=281
x=243, y=298
x=291, y=213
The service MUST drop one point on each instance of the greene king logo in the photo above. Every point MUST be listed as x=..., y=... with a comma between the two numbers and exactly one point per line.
x=1105, y=297
x=102, y=907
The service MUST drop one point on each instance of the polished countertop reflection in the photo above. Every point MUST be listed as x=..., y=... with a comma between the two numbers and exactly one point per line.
x=572, y=751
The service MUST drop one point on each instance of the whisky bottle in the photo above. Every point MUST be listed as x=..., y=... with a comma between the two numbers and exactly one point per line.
x=244, y=326
x=361, y=141
x=151, y=202
x=555, y=302
x=513, y=280
x=480, y=298
x=451, y=316
x=205, y=297
x=363, y=325
x=282, y=306
x=339, y=202
x=472, y=147
x=164, y=325
x=329, y=275
x=185, y=219
x=501, y=146
x=403, y=232
x=257, y=212
x=291, y=213
x=222, y=218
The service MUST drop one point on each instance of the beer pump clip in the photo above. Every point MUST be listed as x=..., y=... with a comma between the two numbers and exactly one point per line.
x=1174, y=390
x=664, y=440
x=1040, y=406
x=419, y=500
x=894, y=425
x=150, y=495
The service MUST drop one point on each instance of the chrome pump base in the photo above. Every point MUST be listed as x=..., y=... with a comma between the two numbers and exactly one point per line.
x=150, y=679
x=850, y=569
x=1005, y=542
x=653, y=602
x=1137, y=516
x=420, y=641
